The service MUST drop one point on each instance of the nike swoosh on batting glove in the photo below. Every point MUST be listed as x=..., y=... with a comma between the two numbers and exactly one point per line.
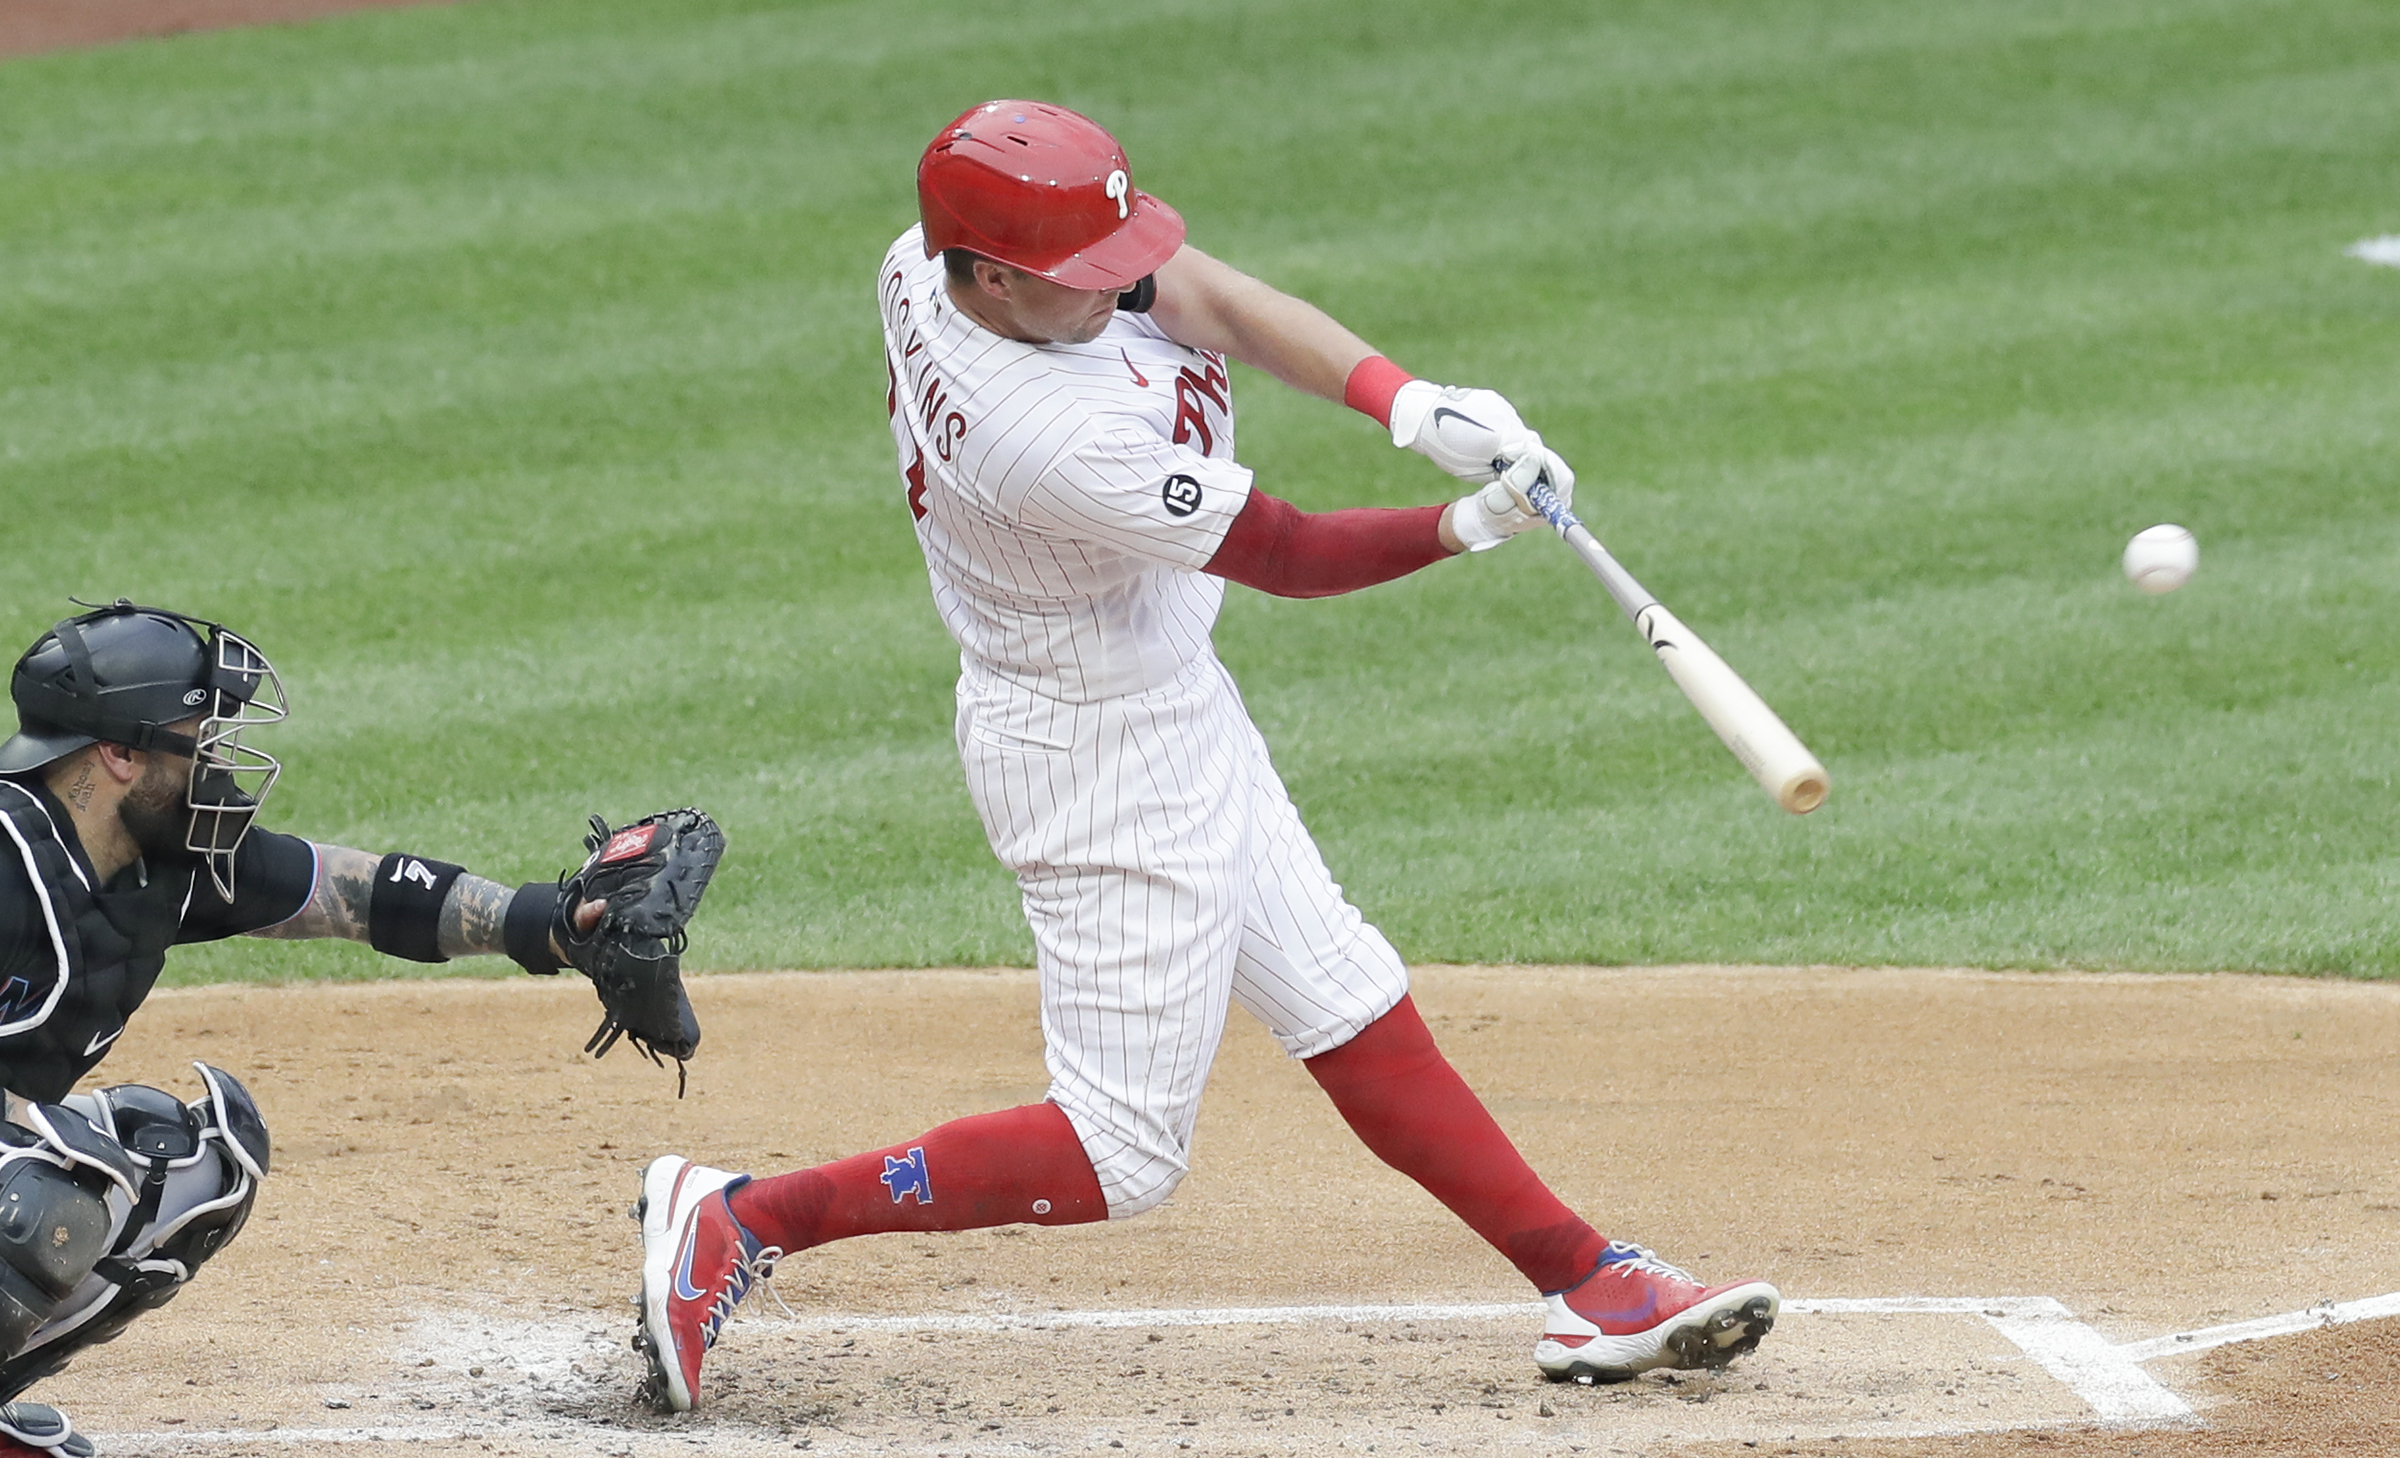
x=1461, y=430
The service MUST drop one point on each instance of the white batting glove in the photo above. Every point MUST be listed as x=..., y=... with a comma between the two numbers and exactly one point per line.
x=1462, y=431
x=1484, y=519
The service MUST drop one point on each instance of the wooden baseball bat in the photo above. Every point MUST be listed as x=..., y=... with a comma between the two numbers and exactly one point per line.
x=1769, y=750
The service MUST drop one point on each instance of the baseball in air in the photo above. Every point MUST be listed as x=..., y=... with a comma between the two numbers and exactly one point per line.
x=2161, y=558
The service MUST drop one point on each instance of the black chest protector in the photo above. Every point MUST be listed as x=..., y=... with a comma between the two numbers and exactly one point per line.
x=108, y=947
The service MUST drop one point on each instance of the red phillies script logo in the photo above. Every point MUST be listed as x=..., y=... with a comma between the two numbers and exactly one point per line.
x=1195, y=389
x=632, y=841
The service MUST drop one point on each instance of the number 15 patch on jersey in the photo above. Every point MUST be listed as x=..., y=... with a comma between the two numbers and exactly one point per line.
x=1181, y=495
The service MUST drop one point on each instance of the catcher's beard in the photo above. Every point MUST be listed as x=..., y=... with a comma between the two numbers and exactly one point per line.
x=157, y=815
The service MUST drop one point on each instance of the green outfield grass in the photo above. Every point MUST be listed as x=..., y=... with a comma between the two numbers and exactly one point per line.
x=510, y=370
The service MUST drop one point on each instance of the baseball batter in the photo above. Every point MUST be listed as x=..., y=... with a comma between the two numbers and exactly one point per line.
x=1065, y=428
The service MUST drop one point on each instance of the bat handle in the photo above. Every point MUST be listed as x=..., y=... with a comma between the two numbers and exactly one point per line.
x=1630, y=595
x=1545, y=500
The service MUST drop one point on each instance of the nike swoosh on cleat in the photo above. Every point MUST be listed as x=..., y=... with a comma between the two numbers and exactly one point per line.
x=1648, y=1307
x=684, y=1290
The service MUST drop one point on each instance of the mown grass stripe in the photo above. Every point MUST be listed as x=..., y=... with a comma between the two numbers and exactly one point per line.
x=511, y=369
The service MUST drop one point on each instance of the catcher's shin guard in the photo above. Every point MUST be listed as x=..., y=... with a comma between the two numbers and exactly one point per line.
x=62, y=1184
x=186, y=1177
x=54, y=1231
x=38, y=1429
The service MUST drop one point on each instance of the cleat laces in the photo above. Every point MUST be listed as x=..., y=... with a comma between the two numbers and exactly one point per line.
x=1625, y=1259
x=751, y=1266
x=762, y=1270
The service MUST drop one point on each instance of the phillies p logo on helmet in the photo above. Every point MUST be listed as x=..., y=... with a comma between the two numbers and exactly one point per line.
x=1043, y=189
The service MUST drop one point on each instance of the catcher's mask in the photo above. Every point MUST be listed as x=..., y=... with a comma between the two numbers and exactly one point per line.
x=123, y=674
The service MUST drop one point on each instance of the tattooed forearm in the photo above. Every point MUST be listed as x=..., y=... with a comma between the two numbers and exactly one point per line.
x=345, y=882
x=472, y=912
x=471, y=917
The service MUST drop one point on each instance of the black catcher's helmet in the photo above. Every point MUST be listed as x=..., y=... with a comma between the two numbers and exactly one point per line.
x=123, y=674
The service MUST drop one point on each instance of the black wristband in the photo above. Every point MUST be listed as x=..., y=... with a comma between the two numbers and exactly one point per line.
x=404, y=911
x=525, y=929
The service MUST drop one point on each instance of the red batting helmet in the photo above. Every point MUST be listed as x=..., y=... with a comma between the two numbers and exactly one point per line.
x=1040, y=188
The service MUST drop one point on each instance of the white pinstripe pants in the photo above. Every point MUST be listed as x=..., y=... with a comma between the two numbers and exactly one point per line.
x=1165, y=874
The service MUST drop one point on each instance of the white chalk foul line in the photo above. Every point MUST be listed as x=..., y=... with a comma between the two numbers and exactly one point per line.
x=2115, y=1387
x=2112, y=1384
x=2328, y=1313
x=2107, y=1376
x=1000, y=1321
x=211, y=1437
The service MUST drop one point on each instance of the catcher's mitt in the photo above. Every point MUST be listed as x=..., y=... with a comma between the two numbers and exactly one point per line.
x=650, y=874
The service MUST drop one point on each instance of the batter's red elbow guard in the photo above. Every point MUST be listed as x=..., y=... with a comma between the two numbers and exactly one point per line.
x=1372, y=384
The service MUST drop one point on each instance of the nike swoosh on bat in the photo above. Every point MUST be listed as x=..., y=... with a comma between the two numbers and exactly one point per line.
x=102, y=1040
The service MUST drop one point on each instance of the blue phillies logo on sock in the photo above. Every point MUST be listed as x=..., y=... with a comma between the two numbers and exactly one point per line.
x=908, y=1177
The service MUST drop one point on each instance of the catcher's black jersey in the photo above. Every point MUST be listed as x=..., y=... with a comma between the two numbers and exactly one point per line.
x=76, y=958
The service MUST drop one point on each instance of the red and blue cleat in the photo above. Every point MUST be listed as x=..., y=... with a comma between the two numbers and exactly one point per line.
x=697, y=1265
x=1635, y=1313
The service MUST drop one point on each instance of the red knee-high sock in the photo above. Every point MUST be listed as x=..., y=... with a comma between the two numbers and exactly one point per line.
x=1013, y=1167
x=1404, y=1099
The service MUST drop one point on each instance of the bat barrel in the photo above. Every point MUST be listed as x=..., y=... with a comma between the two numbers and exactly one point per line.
x=1805, y=791
x=1761, y=741
x=1764, y=744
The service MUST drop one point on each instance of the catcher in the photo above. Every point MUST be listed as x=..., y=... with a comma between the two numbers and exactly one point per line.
x=127, y=805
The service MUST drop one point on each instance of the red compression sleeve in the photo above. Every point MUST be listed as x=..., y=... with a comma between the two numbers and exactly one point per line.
x=1405, y=1101
x=1372, y=383
x=1277, y=548
x=1021, y=1165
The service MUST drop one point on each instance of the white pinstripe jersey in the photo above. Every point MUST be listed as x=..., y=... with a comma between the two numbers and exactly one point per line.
x=1065, y=495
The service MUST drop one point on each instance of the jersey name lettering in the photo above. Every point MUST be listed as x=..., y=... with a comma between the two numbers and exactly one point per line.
x=929, y=397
